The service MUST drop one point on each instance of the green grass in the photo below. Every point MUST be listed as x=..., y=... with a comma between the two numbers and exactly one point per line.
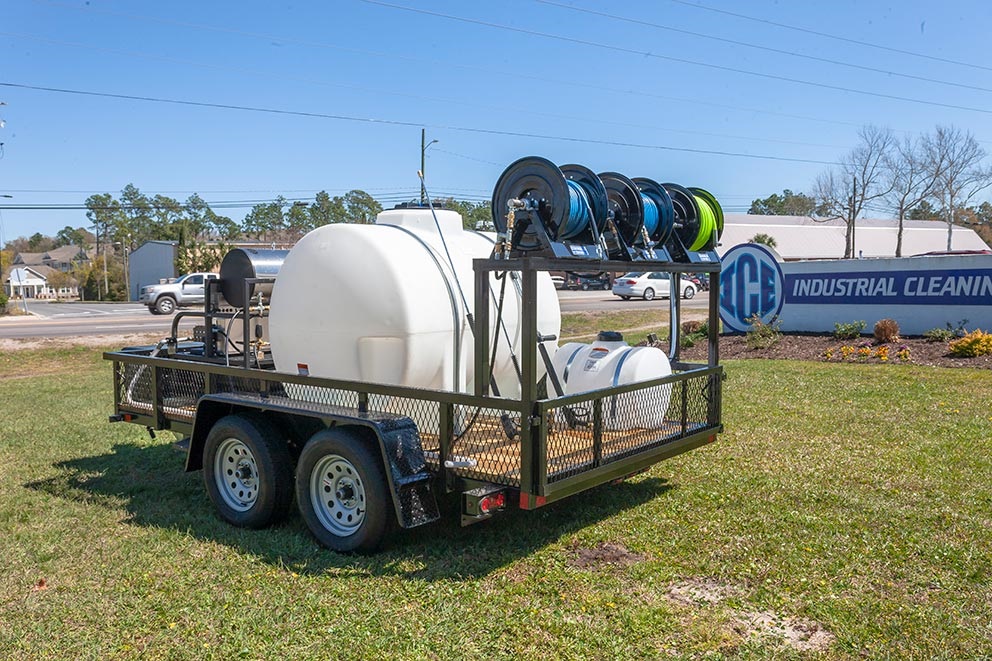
x=855, y=496
x=584, y=326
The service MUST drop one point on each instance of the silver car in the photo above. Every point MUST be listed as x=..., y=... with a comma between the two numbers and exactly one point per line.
x=650, y=285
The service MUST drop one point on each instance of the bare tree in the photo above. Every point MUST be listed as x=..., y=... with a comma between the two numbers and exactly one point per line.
x=844, y=193
x=963, y=175
x=913, y=173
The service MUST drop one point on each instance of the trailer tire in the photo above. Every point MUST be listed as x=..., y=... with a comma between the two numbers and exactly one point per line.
x=342, y=493
x=248, y=471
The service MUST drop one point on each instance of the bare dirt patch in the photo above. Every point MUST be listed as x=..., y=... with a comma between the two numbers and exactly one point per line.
x=696, y=591
x=799, y=634
x=604, y=554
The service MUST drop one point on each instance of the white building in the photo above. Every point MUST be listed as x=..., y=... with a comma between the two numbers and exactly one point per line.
x=26, y=282
x=801, y=237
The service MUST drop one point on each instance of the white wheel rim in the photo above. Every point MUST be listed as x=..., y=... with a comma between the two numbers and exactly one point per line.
x=236, y=475
x=337, y=494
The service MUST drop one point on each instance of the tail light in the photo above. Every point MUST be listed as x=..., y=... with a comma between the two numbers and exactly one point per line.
x=492, y=502
x=482, y=502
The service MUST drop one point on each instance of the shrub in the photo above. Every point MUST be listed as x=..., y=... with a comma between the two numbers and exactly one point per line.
x=850, y=331
x=886, y=330
x=761, y=335
x=975, y=343
x=692, y=326
x=692, y=332
x=946, y=334
x=939, y=335
x=3, y=302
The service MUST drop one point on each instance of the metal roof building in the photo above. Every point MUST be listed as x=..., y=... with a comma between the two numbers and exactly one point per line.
x=801, y=237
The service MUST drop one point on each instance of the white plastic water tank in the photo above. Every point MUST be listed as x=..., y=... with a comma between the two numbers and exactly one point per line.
x=609, y=361
x=383, y=303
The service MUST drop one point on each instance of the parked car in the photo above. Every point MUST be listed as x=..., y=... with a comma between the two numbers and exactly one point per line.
x=587, y=281
x=701, y=280
x=559, y=282
x=184, y=291
x=650, y=285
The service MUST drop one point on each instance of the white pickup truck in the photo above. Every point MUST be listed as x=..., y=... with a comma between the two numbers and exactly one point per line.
x=183, y=291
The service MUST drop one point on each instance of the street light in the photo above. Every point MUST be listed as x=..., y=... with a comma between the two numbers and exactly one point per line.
x=423, y=152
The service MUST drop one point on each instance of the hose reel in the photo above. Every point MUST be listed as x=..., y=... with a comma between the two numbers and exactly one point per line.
x=536, y=208
x=570, y=212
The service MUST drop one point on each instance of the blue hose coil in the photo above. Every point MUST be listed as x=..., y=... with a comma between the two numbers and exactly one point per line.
x=579, y=212
x=651, y=215
x=659, y=215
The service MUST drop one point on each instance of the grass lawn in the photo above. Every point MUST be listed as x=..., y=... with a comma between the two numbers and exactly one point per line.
x=845, y=513
x=584, y=326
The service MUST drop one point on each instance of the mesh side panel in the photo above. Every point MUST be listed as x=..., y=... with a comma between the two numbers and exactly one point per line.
x=570, y=440
x=640, y=420
x=483, y=446
x=425, y=414
x=179, y=390
x=136, y=387
x=312, y=394
x=697, y=400
x=627, y=423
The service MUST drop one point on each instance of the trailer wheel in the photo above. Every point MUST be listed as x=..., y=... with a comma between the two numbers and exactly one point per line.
x=248, y=471
x=342, y=493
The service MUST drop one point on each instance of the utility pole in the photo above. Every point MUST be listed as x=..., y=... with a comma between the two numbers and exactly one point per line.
x=127, y=277
x=423, y=151
x=852, y=219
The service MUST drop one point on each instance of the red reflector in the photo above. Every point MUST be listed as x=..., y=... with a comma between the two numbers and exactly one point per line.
x=127, y=417
x=525, y=503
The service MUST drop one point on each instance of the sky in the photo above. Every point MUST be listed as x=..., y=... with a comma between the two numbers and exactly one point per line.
x=241, y=102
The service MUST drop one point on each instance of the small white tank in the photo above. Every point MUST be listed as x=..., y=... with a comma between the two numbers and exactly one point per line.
x=383, y=303
x=609, y=361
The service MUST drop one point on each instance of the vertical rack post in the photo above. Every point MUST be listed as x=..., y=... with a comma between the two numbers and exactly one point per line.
x=534, y=456
x=481, y=328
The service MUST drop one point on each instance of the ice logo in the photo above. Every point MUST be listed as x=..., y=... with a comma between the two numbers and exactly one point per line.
x=751, y=283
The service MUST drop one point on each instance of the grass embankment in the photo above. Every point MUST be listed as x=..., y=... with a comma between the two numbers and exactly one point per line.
x=584, y=326
x=849, y=499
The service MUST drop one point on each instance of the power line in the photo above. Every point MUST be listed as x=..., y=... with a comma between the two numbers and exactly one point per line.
x=157, y=191
x=708, y=65
x=516, y=75
x=780, y=51
x=827, y=35
x=468, y=158
x=393, y=92
x=393, y=122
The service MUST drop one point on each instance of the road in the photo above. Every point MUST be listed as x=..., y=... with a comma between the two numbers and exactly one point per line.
x=82, y=319
x=604, y=301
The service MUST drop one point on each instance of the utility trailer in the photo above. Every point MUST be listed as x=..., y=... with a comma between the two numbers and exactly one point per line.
x=361, y=459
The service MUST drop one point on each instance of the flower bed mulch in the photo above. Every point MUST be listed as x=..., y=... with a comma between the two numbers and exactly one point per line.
x=918, y=351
